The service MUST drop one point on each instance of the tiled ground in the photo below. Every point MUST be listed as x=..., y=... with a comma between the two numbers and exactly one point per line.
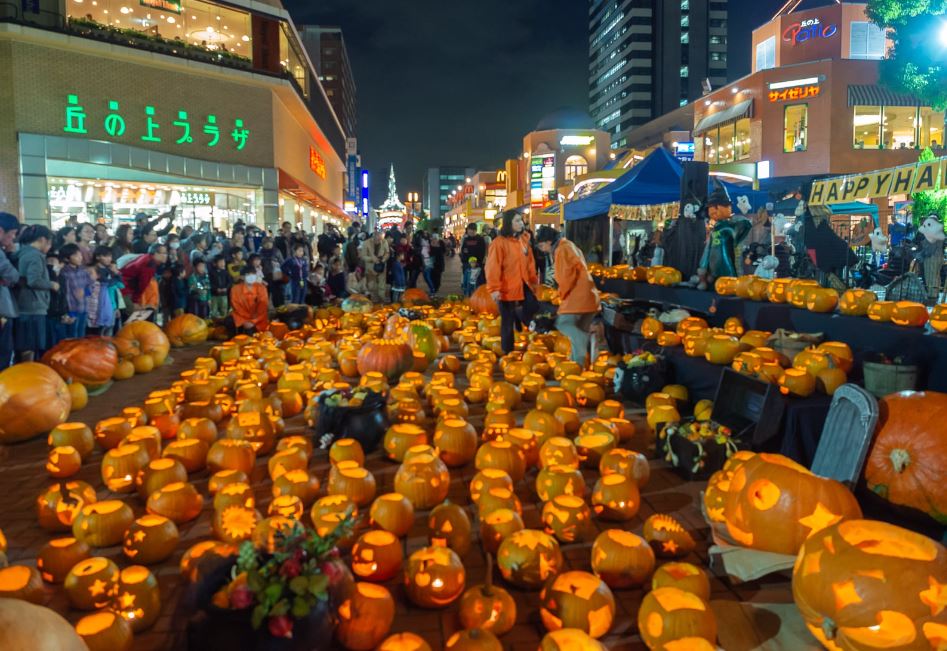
x=22, y=479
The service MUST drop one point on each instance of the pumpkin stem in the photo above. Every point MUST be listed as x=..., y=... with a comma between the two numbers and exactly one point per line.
x=829, y=628
x=900, y=459
x=488, y=583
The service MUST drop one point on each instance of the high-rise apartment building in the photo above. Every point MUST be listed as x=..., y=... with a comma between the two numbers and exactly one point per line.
x=438, y=184
x=326, y=49
x=649, y=57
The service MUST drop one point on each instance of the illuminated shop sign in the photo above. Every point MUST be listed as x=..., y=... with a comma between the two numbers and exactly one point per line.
x=316, y=163
x=577, y=140
x=174, y=6
x=794, y=93
x=806, y=30
x=184, y=128
x=684, y=150
x=542, y=180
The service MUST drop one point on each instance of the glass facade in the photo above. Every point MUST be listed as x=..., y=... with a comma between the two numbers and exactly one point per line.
x=292, y=59
x=897, y=127
x=575, y=166
x=795, y=128
x=727, y=143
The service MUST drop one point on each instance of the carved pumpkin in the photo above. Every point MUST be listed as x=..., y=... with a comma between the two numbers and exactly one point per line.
x=615, y=498
x=798, y=291
x=796, y=382
x=150, y=539
x=33, y=400
x=556, y=480
x=496, y=526
x=483, y=303
x=625, y=462
x=549, y=399
x=392, y=512
x=357, y=483
x=151, y=341
x=105, y=631
x=58, y=506
x=667, y=537
x=863, y=584
x=434, y=577
x=456, y=441
x=528, y=557
x=487, y=479
x=58, y=556
x=365, y=617
x=855, y=302
x=909, y=313
x=881, y=311
x=577, y=600
x=821, y=299
x=774, y=504
x=558, y=451
x=137, y=598
x=402, y=436
x=501, y=455
x=448, y=525
x=63, y=461
x=103, y=524
x=592, y=446
x=179, y=502
x=939, y=317
x=487, y=606
x=75, y=435
x=570, y=639
x=622, y=559
x=377, y=556
x=186, y=330
x=721, y=349
x=231, y=454
x=90, y=583
x=669, y=614
x=651, y=328
x=683, y=576
x=726, y=286
x=424, y=480
x=904, y=465
x=567, y=517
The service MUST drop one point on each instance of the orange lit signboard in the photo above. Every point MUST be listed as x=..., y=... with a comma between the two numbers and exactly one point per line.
x=794, y=93
x=316, y=163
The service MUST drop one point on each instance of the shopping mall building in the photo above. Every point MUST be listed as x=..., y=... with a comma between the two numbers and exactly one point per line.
x=812, y=105
x=113, y=107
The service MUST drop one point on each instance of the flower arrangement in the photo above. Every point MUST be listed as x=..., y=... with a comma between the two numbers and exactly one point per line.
x=639, y=358
x=347, y=398
x=698, y=431
x=280, y=587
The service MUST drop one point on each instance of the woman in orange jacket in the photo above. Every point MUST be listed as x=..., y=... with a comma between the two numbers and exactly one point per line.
x=250, y=303
x=510, y=270
x=579, y=302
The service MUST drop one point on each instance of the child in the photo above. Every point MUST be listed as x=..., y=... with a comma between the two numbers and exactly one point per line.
x=273, y=270
x=101, y=306
x=57, y=317
x=78, y=283
x=398, y=282
x=336, y=279
x=236, y=265
x=317, y=283
x=180, y=290
x=250, y=304
x=220, y=282
x=474, y=276
x=199, y=290
x=33, y=294
x=295, y=270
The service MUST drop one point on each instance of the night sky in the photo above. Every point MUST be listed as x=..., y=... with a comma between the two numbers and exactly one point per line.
x=461, y=83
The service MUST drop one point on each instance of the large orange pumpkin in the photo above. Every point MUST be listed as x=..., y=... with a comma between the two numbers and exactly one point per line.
x=151, y=339
x=905, y=464
x=33, y=400
x=391, y=357
x=774, y=504
x=186, y=330
x=415, y=295
x=855, y=302
x=483, y=303
x=90, y=360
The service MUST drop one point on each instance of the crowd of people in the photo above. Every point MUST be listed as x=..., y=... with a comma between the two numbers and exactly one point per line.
x=83, y=279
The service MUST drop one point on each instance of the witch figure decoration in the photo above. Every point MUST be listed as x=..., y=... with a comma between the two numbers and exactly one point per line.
x=725, y=234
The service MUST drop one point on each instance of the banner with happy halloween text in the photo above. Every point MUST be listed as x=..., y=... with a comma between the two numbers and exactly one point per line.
x=904, y=179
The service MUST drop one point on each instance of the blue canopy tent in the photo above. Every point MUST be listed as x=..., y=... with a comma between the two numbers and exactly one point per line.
x=856, y=208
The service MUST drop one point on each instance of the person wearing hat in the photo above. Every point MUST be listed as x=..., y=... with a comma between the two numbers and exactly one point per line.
x=725, y=234
x=510, y=270
x=473, y=275
x=579, y=300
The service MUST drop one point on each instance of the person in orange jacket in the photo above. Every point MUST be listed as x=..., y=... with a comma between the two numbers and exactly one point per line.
x=250, y=302
x=510, y=269
x=579, y=301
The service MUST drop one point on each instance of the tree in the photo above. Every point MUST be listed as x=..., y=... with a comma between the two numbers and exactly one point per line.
x=917, y=63
x=931, y=202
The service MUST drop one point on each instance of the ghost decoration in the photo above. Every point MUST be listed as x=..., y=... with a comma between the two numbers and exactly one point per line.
x=879, y=242
x=766, y=268
x=690, y=210
x=800, y=209
x=779, y=225
x=743, y=205
x=931, y=253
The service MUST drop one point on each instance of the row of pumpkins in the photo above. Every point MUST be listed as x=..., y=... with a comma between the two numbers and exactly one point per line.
x=825, y=366
x=801, y=293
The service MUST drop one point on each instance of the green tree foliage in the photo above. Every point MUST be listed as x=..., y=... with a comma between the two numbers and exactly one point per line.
x=932, y=202
x=917, y=64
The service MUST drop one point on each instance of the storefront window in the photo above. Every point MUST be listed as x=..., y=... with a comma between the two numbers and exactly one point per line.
x=711, y=140
x=795, y=128
x=725, y=145
x=932, y=128
x=742, y=144
x=867, y=127
x=899, y=127
x=214, y=27
x=117, y=202
x=575, y=166
x=292, y=60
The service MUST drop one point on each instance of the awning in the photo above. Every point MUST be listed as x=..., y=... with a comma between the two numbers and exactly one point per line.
x=304, y=193
x=879, y=96
x=742, y=110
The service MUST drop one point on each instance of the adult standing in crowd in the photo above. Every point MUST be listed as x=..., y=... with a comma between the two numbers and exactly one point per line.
x=510, y=269
x=138, y=277
x=375, y=253
x=33, y=291
x=472, y=246
x=438, y=255
x=9, y=276
x=579, y=300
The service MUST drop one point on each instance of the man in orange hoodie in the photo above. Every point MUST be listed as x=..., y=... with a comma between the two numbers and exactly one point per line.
x=579, y=301
x=510, y=270
x=250, y=303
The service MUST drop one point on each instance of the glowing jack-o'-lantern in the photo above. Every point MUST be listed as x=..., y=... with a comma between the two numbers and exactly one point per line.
x=120, y=465
x=377, y=556
x=938, y=319
x=683, y=576
x=103, y=524
x=615, y=497
x=58, y=556
x=570, y=639
x=578, y=600
x=496, y=526
x=774, y=504
x=499, y=498
x=404, y=642
x=592, y=446
x=549, y=399
x=559, y=480
x=863, y=584
x=136, y=597
x=150, y=539
x=179, y=502
x=58, y=506
x=400, y=437
x=448, y=525
x=558, y=451
x=357, y=483
x=424, y=480
x=622, y=559
x=668, y=614
x=855, y=302
x=63, y=461
x=21, y=582
x=456, y=441
x=625, y=462
x=567, y=517
x=909, y=313
x=90, y=582
x=231, y=454
x=392, y=512
x=667, y=537
x=365, y=617
x=487, y=606
x=76, y=435
x=487, y=479
x=501, y=455
x=105, y=631
x=286, y=506
x=528, y=557
x=298, y=483
x=434, y=577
